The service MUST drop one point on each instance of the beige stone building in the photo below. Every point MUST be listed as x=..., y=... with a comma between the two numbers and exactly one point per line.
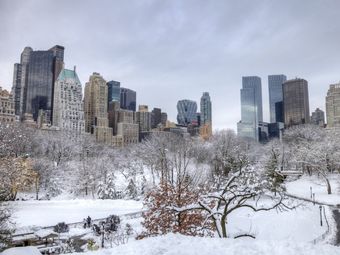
x=333, y=106
x=68, y=112
x=7, y=111
x=95, y=108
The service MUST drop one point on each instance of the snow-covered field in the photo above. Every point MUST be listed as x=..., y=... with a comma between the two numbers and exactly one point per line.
x=301, y=224
x=47, y=213
x=301, y=188
x=177, y=244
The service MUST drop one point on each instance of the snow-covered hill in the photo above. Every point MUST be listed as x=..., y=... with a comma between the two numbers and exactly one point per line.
x=183, y=245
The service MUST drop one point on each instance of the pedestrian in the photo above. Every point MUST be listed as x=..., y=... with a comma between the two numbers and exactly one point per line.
x=89, y=221
x=84, y=223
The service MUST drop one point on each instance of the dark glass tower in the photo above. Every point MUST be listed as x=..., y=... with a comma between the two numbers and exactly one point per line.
x=295, y=102
x=113, y=88
x=33, y=80
x=156, y=117
x=275, y=93
x=39, y=90
x=187, y=112
x=128, y=99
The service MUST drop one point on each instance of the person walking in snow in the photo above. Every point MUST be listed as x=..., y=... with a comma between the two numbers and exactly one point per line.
x=88, y=221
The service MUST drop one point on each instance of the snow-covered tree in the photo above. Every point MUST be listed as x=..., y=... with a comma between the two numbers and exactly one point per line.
x=107, y=189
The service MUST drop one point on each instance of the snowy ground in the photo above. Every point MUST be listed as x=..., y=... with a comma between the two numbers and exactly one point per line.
x=301, y=188
x=177, y=244
x=48, y=213
x=301, y=224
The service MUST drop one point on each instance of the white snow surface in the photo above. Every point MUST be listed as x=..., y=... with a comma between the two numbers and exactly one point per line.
x=49, y=213
x=29, y=250
x=172, y=244
x=301, y=188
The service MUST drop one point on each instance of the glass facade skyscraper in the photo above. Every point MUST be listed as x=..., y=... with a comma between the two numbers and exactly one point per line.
x=295, y=102
x=128, y=99
x=39, y=88
x=113, y=88
x=187, y=112
x=33, y=80
x=251, y=107
x=275, y=93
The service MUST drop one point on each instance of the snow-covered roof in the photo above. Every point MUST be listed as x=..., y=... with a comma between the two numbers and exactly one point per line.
x=29, y=250
x=43, y=233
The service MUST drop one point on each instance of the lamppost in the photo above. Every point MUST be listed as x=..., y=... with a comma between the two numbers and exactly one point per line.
x=320, y=215
x=103, y=230
x=311, y=192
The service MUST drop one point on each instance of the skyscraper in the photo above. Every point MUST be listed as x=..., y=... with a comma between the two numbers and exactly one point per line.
x=144, y=121
x=333, y=105
x=206, y=109
x=186, y=112
x=156, y=117
x=251, y=107
x=95, y=106
x=68, y=112
x=295, y=102
x=33, y=80
x=275, y=94
x=318, y=118
x=128, y=99
x=113, y=91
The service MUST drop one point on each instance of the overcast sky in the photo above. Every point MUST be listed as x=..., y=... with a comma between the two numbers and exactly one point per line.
x=169, y=50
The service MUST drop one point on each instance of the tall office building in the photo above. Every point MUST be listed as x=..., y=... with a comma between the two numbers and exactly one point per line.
x=156, y=117
x=113, y=91
x=318, y=118
x=128, y=99
x=333, y=106
x=95, y=107
x=186, y=112
x=275, y=94
x=164, y=118
x=295, y=102
x=206, y=109
x=33, y=81
x=68, y=112
x=144, y=118
x=251, y=107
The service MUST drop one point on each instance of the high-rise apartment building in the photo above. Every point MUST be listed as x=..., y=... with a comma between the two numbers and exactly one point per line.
x=295, y=102
x=128, y=99
x=251, y=107
x=33, y=81
x=186, y=112
x=95, y=108
x=275, y=94
x=156, y=117
x=143, y=119
x=164, y=118
x=7, y=111
x=333, y=106
x=206, y=109
x=318, y=117
x=68, y=112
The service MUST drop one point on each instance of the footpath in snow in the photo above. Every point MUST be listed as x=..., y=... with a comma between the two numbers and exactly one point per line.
x=305, y=186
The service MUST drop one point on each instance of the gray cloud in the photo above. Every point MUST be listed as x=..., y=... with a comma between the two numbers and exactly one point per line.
x=170, y=49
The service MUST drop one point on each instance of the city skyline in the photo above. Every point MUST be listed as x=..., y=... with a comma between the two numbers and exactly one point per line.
x=216, y=55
